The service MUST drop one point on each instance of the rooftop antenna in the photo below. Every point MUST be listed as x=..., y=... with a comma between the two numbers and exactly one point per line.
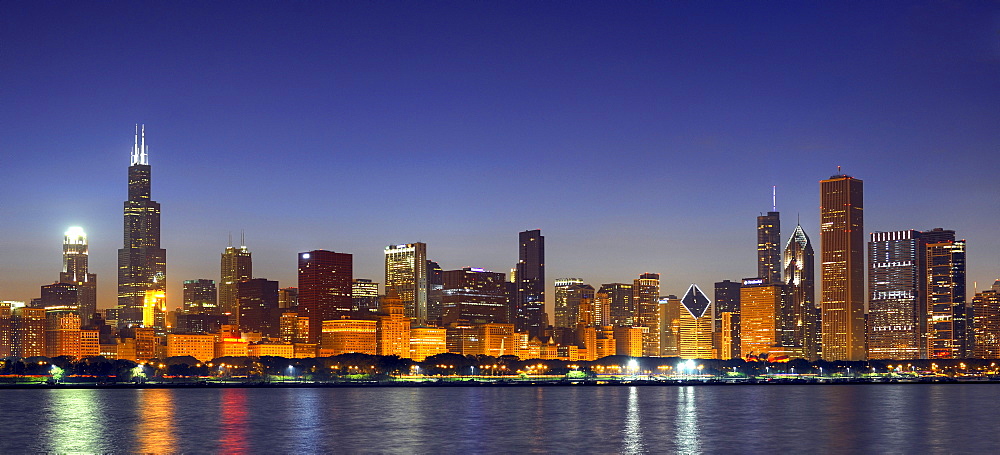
x=243, y=243
x=838, y=170
x=230, y=239
x=774, y=198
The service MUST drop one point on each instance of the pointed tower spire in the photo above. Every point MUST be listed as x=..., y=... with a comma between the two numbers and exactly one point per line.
x=243, y=243
x=230, y=239
x=774, y=198
x=139, y=150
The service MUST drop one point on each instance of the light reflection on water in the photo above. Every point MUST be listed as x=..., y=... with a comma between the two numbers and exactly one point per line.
x=747, y=419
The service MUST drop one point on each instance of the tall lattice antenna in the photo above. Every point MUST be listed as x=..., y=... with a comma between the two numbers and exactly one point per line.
x=140, y=153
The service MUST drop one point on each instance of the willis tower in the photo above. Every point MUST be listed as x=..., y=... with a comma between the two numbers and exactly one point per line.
x=142, y=264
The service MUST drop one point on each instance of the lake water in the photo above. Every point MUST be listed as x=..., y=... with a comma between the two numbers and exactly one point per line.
x=902, y=418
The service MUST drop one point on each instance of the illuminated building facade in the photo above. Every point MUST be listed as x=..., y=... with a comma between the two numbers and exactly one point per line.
x=76, y=272
x=293, y=328
x=90, y=343
x=843, y=268
x=199, y=346
x=801, y=327
x=427, y=341
x=769, y=247
x=29, y=326
x=62, y=332
x=142, y=264
x=324, y=288
x=727, y=306
x=897, y=314
x=406, y=272
x=696, y=326
x=669, y=315
x=364, y=296
x=236, y=266
x=473, y=296
x=154, y=310
x=529, y=304
x=201, y=296
x=567, y=302
x=621, y=307
x=646, y=296
x=986, y=326
x=343, y=336
x=762, y=318
x=947, y=329
x=393, y=327
x=7, y=337
x=58, y=295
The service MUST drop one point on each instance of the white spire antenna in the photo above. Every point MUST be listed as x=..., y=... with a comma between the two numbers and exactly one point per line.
x=774, y=198
x=139, y=149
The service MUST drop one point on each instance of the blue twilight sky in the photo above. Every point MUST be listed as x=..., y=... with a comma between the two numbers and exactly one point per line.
x=639, y=136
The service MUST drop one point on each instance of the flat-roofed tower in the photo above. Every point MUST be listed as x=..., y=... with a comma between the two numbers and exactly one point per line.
x=842, y=242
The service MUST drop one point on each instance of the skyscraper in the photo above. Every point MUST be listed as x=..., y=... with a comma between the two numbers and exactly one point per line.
x=897, y=314
x=727, y=318
x=76, y=272
x=803, y=315
x=769, y=247
x=947, y=327
x=435, y=287
x=530, y=274
x=843, y=267
x=258, y=306
x=986, y=307
x=364, y=296
x=565, y=313
x=646, y=295
x=695, y=331
x=324, y=288
x=473, y=296
x=142, y=264
x=622, y=308
x=200, y=296
x=237, y=265
x=406, y=272
x=762, y=319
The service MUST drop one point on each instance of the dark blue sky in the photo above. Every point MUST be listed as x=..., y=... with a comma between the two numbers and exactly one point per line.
x=639, y=136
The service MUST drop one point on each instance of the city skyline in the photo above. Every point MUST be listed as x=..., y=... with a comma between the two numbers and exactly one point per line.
x=676, y=169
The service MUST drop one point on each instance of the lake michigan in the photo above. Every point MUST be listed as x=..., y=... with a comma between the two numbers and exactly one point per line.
x=876, y=418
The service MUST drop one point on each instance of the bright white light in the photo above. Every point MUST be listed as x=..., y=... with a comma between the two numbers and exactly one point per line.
x=305, y=255
x=633, y=364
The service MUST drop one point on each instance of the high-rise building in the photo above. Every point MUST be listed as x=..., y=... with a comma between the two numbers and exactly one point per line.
x=473, y=296
x=529, y=305
x=565, y=311
x=142, y=264
x=62, y=332
x=695, y=327
x=727, y=300
x=622, y=307
x=947, y=328
x=75, y=271
x=324, y=288
x=769, y=247
x=288, y=298
x=392, y=335
x=435, y=287
x=258, y=306
x=364, y=296
x=843, y=267
x=803, y=315
x=646, y=297
x=986, y=326
x=200, y=296
x=237, y=265
x=762, y=319
x=58, y=295
x=669, y=315
x=406, y=272
x=29, y=332
x=897, y=314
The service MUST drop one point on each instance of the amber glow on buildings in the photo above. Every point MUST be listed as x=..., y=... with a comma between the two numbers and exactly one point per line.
x=843, y=268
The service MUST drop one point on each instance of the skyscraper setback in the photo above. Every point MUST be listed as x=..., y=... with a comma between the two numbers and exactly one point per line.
x=142, y=264
x=843, y=257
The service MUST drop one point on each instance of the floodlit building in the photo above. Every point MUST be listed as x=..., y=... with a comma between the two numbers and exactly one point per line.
x=76, y=272
x=342, y=336
x=986, y=309
x=646, y=295
x=427, y=341
x=948, y=334
x=364, y=296
x=897, y=313
x=843, y=268
x=695, y=326
x=200, y=346
x=406, y=273
x=201, y=296
x=236, y=266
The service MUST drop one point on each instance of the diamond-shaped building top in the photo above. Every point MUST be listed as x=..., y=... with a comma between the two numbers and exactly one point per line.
x=695, y=301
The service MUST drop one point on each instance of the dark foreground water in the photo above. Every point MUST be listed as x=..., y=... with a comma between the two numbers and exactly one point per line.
x=906, y=418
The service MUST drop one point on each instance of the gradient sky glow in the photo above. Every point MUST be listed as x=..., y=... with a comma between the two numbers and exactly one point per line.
x=639, y=136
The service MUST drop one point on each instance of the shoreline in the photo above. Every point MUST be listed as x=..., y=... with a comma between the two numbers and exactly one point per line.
x=481, y=383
